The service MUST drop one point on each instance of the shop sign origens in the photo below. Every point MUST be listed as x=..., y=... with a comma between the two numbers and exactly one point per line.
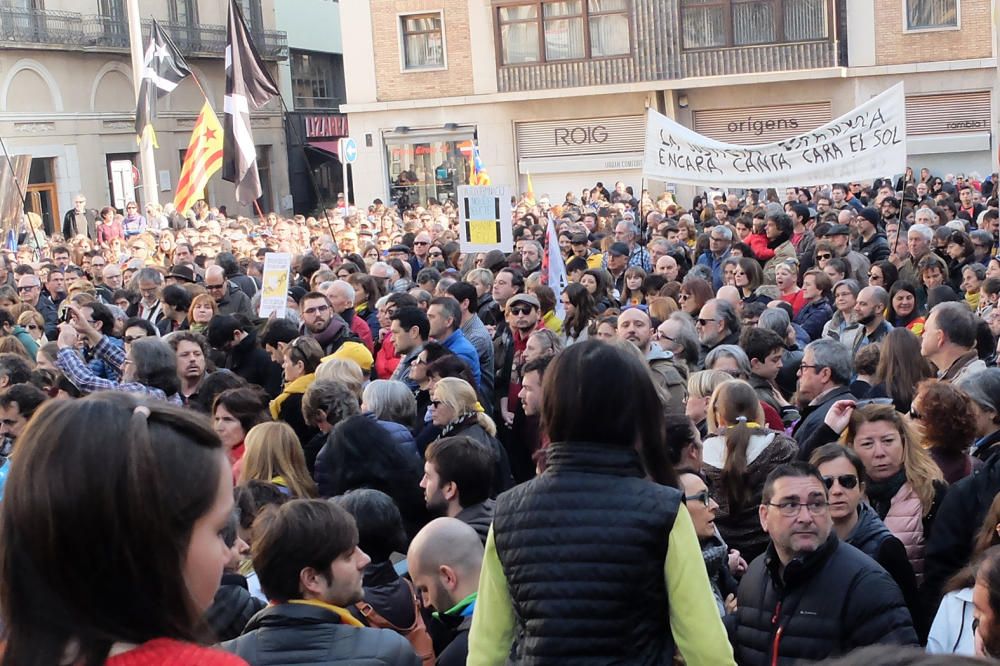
x=485, y=218
x=869, y=142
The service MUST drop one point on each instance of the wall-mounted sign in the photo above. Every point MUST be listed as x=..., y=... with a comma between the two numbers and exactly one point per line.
x=760, y=124
x=326, y=125
x=575, y=138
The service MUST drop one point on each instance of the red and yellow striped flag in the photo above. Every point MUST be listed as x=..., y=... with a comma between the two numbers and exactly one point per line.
x=202, y=159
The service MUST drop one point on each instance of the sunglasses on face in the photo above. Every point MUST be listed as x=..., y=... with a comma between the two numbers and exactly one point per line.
x=702, y=497
x=703, y=322
x=435, y=403
x=821, y=257
x=846, y=481
x=521, y=310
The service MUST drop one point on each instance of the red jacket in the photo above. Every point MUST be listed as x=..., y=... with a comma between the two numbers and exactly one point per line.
x=360, y=328
x=168, y=652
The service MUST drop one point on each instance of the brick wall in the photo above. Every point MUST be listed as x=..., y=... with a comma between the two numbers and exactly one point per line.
x=894, y=46
x=392, y=83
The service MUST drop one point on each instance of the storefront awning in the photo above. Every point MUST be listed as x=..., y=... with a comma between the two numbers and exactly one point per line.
x=327, y=149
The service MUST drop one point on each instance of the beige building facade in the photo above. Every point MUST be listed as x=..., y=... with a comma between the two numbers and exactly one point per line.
x=559, y=89
x=67, y=99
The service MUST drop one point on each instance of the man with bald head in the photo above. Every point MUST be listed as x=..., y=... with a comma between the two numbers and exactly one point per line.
x=228, y=298
x=635, y=326
x=444, y=560
x=869, y=317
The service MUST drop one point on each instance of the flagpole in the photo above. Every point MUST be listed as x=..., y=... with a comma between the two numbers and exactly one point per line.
x=146, y=161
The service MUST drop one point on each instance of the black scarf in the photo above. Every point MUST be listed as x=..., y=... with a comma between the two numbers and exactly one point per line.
x=880, y=493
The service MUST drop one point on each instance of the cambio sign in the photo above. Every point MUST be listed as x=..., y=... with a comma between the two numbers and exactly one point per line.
x=868, y=142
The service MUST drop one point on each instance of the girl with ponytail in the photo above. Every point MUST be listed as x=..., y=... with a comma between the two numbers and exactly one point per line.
x=738, y=455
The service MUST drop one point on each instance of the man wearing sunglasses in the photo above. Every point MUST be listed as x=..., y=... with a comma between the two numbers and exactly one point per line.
x=809, y=596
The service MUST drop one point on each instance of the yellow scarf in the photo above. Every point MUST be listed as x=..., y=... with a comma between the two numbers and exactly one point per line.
x=344, y=615
x=296, y=386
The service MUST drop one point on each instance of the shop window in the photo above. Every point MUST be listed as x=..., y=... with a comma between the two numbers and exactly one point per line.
x=428, y=169
x=563, y=30
x=719, y=23
x=422, y=41
x=931, y=14
x=317, y=79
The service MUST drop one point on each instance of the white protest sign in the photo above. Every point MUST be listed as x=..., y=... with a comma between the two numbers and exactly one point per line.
x=274, y=290
x=869, y=142
x=485, y=218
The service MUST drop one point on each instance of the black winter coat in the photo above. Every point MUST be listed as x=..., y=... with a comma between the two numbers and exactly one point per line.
x=827, y=603
x=873, y=538
x=232, y=607
x=962, y=511
x=291, y=634
x=249, y=360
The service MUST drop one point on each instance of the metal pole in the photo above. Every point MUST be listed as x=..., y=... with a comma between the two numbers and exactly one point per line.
x=343, y=162
x=147, y=165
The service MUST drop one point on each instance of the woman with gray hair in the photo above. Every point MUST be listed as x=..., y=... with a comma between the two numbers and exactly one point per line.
x=390, y=402
x=984, y=389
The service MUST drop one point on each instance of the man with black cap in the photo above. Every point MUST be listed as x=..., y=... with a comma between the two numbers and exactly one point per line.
x=839, y=236
x=179, y=274
x=871, y=242
x=616, y=259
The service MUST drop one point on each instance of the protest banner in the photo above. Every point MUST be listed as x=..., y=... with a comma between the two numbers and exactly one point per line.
x=869, y=142
x=274, y=296
x=485, y=218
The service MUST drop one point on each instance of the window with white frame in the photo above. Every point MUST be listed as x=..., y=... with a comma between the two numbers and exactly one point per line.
x=931, y=14
x=423, y=41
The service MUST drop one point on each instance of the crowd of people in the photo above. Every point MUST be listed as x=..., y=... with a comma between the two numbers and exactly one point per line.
x=761, y=429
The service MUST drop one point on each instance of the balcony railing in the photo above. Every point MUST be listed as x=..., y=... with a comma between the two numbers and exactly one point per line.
x=70, y=30
x=38, y=26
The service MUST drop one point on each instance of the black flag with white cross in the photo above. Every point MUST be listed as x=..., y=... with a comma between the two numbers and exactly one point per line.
x=248, y=86
x=163, y=67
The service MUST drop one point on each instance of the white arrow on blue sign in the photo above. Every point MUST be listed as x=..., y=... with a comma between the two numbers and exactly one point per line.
x=349, y=150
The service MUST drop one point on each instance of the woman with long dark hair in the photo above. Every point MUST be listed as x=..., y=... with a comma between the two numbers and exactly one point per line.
x=581, y=313
x=147, y=485
x=598, y=282
x=904, y=309
x=900, y=368
x=608, y=480
x=738, y=455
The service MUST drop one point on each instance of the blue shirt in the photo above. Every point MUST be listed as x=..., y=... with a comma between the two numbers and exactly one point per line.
x=460, y=346
x=707, y=258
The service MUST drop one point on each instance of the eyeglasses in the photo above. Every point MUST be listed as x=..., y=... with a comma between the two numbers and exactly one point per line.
x=682, y=297
x=316, y=310
x=29, y=287
x=701, y=321
x=435, y=403
x=421, y=242
x=435, y=254
x=805, y=366
x=702, y=497
x=663, y=336
x=214, y=287
x=846, y=481
x=521, y=309
x=821, y=257
x=791, y=508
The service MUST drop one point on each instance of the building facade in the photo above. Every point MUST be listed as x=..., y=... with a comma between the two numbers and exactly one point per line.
x=67, y=98
x=559, y=89
x=312, y=86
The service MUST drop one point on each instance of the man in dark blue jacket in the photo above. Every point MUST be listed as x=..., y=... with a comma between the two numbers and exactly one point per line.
x=810, y=596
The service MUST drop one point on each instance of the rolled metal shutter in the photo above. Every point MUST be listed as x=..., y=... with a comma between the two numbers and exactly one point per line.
x=948, y=113
x=578, y=137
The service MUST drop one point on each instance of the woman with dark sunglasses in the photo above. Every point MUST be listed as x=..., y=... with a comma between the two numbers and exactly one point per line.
x=856, y=522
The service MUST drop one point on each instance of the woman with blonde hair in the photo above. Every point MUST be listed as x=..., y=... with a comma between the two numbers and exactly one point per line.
x=906, y=486
x=202, y=309
x=737, y=457
x=700, y=387
x=456, y=410
x=274, y=454
x=33, y=322
x=345, y=371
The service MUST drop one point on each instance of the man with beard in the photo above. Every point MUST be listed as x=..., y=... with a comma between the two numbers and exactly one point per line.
x=191, y=350
x=810, y=596
x=871, y=242
x=458, y=481
x=635, y=326
x=869, y=314
x=331, y=331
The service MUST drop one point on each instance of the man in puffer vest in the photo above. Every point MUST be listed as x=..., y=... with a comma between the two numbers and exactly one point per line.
x=810, y=596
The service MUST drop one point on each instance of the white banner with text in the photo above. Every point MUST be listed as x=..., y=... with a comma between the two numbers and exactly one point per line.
x=869, y=142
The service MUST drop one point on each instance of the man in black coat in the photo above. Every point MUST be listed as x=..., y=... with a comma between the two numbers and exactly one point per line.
x=307, y=621
x=444, y=561
x=236, y=338
x=80, y=220
x=810, y=596
x=824, y=375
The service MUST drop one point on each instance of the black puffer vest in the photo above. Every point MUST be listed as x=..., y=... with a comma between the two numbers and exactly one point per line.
x=583, y=548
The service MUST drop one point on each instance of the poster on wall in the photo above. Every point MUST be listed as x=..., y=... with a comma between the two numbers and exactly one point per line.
x=274, y=284
x=485, y=221
x=869, y=142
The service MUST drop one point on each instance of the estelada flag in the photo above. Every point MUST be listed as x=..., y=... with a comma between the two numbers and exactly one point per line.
x=202, y=159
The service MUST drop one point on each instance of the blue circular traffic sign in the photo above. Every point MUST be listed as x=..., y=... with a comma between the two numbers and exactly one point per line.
x=350, y=150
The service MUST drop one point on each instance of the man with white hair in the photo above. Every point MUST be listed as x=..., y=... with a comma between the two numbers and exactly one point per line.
x=341, y=296
x=918, y=242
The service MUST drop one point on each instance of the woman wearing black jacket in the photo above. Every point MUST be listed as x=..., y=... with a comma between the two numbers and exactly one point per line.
x=857, y=523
